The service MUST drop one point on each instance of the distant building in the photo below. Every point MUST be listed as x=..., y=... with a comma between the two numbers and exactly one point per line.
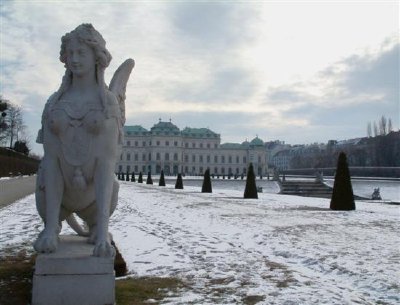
x=190, y=151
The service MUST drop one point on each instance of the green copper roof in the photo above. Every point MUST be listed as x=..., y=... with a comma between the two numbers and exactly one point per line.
x=245, y=144
x=231, y=146
x=166, y=128
x=199, y=133
x=135, y=130
x=257, y=142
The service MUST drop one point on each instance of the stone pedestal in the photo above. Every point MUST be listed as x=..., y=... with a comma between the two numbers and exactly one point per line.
x=72, y=276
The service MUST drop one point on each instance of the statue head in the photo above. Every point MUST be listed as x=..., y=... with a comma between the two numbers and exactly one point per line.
x=88, y=35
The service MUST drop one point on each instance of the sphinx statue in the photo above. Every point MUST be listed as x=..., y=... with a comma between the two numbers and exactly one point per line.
x=82, y=130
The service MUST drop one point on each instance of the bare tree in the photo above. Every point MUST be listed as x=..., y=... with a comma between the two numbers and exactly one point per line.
x=3, y=114
x=14, y=126
x=390, y=126
x=383, y=126
x=369, y=130
x=376, y=131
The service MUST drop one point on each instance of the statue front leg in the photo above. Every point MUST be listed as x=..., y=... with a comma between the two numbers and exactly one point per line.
x=104, y=185
x=47, y=241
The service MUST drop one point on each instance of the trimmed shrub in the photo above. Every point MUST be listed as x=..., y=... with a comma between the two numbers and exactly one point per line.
x=342, y=195
x=206, y=188
x=122, y=176
x=133, y=177
x=162, y=179
x=127, y=176
x=251, y=188
x=140, y=178
x=149, y=180
x=179, y=182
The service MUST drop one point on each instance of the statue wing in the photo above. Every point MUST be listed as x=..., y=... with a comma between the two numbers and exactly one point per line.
x=119, y=81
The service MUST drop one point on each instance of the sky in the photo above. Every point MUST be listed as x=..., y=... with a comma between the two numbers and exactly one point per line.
x=295, y=71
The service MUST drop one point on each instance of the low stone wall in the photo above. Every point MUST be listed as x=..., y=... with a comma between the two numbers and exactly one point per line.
x=15, y=188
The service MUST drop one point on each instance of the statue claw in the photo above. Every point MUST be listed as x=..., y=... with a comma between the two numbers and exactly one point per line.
x=46, y=243
x=104, y=249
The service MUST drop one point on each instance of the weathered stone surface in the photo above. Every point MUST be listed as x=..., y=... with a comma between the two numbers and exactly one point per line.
x=72, y=276
x=82, y=130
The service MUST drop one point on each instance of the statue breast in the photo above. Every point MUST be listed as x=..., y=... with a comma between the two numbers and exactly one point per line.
x=76, y=125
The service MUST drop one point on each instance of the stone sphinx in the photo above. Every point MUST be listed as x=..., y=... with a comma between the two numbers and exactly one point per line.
x=82, y=128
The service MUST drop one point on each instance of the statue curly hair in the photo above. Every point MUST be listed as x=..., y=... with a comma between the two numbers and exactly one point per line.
x=87, y=34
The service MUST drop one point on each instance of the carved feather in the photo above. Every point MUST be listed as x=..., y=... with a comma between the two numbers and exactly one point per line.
x=119, y=81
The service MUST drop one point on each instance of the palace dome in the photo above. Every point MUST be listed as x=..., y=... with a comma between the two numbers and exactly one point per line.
x=256, y=142
x=166, y=128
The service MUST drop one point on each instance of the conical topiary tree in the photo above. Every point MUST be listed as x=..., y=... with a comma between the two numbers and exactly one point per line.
x=122, y=176
x=179, y=182
x=119, y=175
x=342, y=195
x=127, y=176
x=140, y=178
x=251, y=189
x=149, y=180
x=133, y=177
x=162, y=179
x=206, y=188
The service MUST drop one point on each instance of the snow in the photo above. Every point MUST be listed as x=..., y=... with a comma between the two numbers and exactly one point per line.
x=289, y=249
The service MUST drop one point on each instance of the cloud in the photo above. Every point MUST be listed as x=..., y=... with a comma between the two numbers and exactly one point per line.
x=374, y=74
x=213, y=26
x=355, y=90
x=242, y=68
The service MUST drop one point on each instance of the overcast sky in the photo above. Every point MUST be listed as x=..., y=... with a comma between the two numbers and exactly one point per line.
x=297, y=71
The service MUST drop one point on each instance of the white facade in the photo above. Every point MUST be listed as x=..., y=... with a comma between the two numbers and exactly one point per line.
x=190, y=151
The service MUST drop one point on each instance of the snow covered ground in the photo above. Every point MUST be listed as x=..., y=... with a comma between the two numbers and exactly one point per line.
x=287, y=249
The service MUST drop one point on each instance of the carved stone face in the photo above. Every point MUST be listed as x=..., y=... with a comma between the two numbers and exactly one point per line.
x=80, y=58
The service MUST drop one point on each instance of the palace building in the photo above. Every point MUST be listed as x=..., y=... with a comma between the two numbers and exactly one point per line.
x=189, y=151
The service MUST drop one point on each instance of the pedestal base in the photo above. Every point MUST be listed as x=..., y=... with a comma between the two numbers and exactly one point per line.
x=72, y=276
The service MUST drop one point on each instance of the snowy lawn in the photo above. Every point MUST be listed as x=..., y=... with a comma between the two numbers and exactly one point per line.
x=278, y=249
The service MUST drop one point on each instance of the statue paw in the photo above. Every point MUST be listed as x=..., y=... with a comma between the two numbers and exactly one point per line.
x=46, y=243
x=104, y=249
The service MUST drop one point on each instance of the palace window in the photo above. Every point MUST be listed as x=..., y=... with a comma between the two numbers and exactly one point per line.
x=128, y=157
